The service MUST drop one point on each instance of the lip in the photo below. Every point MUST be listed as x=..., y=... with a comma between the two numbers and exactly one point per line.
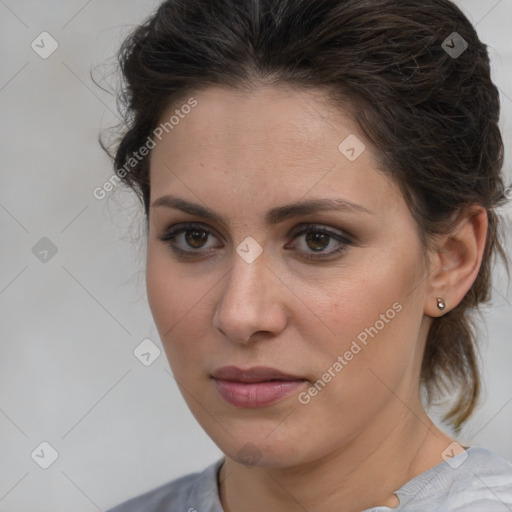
x=258, y=386
x=254, y=374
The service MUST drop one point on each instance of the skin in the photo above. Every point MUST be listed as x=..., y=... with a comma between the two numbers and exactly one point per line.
x=366, y=433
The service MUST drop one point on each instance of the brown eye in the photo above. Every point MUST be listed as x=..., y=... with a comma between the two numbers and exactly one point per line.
x=317, y=241
x=196, y=238
x=190, y=240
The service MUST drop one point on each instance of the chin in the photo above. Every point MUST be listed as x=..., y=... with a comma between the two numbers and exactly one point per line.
x=259, y=449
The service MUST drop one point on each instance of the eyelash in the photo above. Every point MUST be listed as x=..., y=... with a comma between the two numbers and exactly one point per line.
x=170, y=235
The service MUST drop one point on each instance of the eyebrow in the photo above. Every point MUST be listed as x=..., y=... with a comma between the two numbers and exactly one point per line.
x=273, y=216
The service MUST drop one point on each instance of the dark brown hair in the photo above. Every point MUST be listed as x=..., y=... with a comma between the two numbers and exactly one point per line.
x=431, y=116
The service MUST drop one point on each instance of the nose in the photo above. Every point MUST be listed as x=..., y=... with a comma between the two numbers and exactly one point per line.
x=252, y=303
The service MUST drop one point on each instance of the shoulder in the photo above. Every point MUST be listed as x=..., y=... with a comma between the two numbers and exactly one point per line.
x=189, y=493
x=485, y=482
x=474, y=480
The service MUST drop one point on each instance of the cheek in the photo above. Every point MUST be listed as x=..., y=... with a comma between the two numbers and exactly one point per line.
x=180, y=306
x=369, y=316
x=369, y=284
x=365, y=366
x=161, y=285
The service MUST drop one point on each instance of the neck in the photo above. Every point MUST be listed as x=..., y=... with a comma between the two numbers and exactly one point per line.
x=361, y=474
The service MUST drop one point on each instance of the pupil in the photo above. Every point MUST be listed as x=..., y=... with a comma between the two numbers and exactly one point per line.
x=317, y=241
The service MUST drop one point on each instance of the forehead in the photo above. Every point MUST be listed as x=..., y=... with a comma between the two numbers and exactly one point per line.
x=268, y=116
x=274, y=143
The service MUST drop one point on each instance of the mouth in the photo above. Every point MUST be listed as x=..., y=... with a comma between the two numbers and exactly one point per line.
x=258, y=386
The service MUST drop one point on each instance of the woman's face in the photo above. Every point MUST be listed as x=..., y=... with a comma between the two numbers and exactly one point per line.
x=310, y=264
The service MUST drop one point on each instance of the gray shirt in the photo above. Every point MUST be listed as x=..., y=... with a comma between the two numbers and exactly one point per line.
x=476, y=480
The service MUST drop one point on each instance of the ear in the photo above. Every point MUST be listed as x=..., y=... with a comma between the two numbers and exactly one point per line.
x=456, y=260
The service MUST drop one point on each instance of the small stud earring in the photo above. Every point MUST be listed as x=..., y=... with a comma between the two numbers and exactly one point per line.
x=440, y=303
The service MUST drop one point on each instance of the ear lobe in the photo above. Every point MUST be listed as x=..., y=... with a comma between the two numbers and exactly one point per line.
x=456, y=260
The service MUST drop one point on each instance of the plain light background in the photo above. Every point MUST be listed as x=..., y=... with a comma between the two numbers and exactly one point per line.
x=70, y=324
